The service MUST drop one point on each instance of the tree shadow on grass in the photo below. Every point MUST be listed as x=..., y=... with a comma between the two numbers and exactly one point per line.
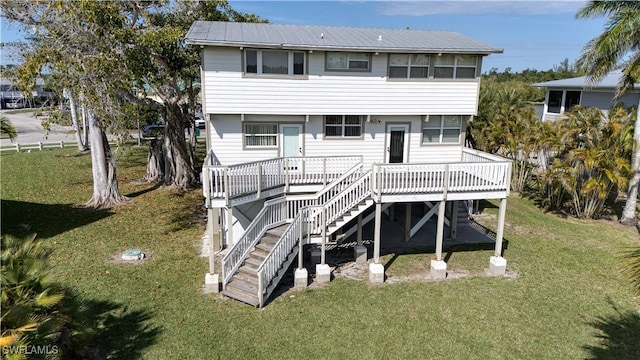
x=106, y=330
x=47, y=220
x=618, y=336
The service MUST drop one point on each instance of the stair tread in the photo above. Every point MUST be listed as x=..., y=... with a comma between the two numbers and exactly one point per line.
x=264, y=247
x=241, y=296
x=245, y=286
x=250, y=278
x=253, y=262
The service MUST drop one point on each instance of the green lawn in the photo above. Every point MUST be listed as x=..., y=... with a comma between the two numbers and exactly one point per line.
x=568, y=299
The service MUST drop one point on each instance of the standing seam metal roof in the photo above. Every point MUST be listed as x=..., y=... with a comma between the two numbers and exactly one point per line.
x=609, y=81
x=329, y=37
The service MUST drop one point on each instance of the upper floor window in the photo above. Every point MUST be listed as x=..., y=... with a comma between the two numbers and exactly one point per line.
x=449, y=66
x=274, y=62
x=409, y=66
x=442, y=129
x=348, y=61
x=343, y=125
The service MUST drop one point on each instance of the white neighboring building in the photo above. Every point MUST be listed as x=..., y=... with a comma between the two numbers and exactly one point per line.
x=312, y=128
x=563, y=94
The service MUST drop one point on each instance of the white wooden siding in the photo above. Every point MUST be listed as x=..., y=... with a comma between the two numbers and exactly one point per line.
x=227, y=135
x=227, y=91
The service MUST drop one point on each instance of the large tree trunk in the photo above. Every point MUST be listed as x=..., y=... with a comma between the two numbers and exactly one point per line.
x=629, y=213
x=155, y=162
x=105, y=182
x=82, y=145
x=179, y=166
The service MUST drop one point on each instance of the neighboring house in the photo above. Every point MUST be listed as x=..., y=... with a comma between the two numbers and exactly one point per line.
x=562, y=95
x=313, y=131
x=12, y=97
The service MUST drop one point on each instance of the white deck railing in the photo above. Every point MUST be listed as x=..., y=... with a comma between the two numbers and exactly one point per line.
x=227, y=182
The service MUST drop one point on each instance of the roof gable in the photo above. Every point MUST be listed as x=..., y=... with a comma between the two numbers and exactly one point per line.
x=332, y=38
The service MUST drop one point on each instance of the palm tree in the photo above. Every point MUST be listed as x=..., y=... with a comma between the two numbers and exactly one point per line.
x=6, y=128
x=607, y=52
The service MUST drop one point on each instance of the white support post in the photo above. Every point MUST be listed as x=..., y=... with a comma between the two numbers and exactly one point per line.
x=376, y=269
x=407, y=222
x=498, y=264
x=360, y=252
x=440, y=229
x=376, y=234
x=438, y=266
x=259, y=180
x=211, y=279
x=229, y=219
x=453, y=228
x=323, y=271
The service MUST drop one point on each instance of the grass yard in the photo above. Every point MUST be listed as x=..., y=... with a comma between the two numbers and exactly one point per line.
x=568, y=300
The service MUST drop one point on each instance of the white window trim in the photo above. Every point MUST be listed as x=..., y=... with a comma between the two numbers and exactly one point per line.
x=343, y=127
x=327, y=68
x=408, y=67
x=455, y=67
x=289, y=62
x=442, y=128
x=245, y=135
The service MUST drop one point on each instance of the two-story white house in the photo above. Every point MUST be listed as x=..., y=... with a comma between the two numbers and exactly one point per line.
x=313, y=131
x=562, y=95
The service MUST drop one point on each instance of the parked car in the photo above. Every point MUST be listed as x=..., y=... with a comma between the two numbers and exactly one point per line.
x=15, y=103
x=200, y=123
x=153, y=131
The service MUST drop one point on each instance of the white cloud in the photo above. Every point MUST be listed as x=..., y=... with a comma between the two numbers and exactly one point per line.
x=460, y=7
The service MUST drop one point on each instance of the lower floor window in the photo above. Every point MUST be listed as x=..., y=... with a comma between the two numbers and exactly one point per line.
x=260, y=135
x=343, y=125
x=442, y=129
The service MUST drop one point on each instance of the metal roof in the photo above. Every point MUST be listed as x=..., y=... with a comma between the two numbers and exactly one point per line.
x=331, y=38
x=609, y=81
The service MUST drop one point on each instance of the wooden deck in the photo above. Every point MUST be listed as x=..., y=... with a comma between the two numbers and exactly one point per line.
x=477, y=176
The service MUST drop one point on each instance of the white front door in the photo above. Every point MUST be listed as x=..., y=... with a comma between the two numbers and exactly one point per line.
x=397, y=142
x=291, y=140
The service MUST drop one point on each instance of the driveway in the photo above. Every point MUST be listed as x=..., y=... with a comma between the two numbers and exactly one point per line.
x=30, y=129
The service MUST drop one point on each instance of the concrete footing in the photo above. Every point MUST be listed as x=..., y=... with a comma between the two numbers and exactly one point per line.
x=211, y=283
x=376, y=273
x=323, y=273
x=438, y=269
x=316, y=256
x=497, y=265
x=300, y=278
x=360, y=254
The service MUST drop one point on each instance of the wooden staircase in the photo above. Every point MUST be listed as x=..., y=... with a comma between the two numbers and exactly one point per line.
x=349, y=215
x=244, y=283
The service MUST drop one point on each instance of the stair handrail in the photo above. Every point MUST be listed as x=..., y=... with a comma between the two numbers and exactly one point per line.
x=352, y=194
x=270, y=266
x=348, y=198
x=239, y=251
x=266, y=219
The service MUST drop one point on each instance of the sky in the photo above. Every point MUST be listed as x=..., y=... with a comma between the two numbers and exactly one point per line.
x=534, y=34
